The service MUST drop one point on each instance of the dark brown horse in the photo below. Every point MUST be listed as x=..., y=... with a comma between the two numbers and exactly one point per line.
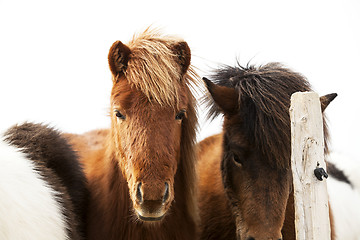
x=141, y=172
x=43, y=188
x=244, y=173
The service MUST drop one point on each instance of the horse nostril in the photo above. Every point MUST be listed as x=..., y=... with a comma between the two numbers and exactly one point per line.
x=139, y=193
x=250, y=238
x=166, y=193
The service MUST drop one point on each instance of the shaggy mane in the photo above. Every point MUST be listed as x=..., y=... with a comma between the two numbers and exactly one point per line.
x=264, y=101
x=154, y=68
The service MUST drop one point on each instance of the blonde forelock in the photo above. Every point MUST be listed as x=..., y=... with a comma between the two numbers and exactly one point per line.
x=153, y=67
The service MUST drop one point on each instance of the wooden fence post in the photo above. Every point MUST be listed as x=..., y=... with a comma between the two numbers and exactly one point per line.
x=307, y=153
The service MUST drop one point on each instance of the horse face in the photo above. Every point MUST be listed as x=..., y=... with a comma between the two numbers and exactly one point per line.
x=257, y=190
x=148, y=136
x=149, y=103
x=258, y=193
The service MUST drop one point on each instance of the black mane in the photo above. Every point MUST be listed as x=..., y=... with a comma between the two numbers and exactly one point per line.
x=263, y=105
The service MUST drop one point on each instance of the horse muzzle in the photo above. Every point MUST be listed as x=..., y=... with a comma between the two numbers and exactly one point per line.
x=151, y=207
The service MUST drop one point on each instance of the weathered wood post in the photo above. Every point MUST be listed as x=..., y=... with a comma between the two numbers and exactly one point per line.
x=307, y=153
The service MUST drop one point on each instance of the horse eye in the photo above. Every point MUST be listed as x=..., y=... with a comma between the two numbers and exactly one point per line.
x=180, y=115
x=237, y=159
x=119, y=115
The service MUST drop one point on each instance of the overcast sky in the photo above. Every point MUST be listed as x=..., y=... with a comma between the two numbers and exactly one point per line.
x=53, y=54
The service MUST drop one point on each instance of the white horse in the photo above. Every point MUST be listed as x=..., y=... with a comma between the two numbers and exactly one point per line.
x=344, y=198
x=36, y=203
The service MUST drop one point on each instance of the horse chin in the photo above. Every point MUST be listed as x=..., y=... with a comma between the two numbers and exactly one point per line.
x=150, y=217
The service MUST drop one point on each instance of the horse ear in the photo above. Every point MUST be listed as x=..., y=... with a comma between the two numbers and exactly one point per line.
x=326, y=100
x=183, y=53
x=118, y=58
x=226, y=98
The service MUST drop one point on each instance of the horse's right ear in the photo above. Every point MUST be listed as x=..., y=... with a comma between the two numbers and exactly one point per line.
x=326, y=100
x=118, y=58
x=225, y=98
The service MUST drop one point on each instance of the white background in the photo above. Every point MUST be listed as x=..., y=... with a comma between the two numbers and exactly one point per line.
x=53, y=54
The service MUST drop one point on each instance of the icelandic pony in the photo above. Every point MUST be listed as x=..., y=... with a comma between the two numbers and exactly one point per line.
x=245, y=179
x=42, y=186
x=141, y=172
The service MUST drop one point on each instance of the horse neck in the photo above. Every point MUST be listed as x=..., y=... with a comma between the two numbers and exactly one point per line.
x=288, y=230
x=110, y=203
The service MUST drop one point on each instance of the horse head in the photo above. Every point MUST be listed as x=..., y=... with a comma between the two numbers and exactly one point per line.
x=255, y=164
x=151, y=114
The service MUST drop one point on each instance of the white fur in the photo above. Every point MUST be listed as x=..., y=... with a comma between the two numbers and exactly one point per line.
x=345, y=204
x=345, y=200
x=28, y=206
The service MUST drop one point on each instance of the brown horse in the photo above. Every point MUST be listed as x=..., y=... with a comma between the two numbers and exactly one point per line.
x=141, y=172
x=245, y=174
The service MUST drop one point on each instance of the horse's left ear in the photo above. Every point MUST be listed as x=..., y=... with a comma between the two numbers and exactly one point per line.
x=225, y=98
x=326, y=100
x=118, y=58
x=183, y=54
